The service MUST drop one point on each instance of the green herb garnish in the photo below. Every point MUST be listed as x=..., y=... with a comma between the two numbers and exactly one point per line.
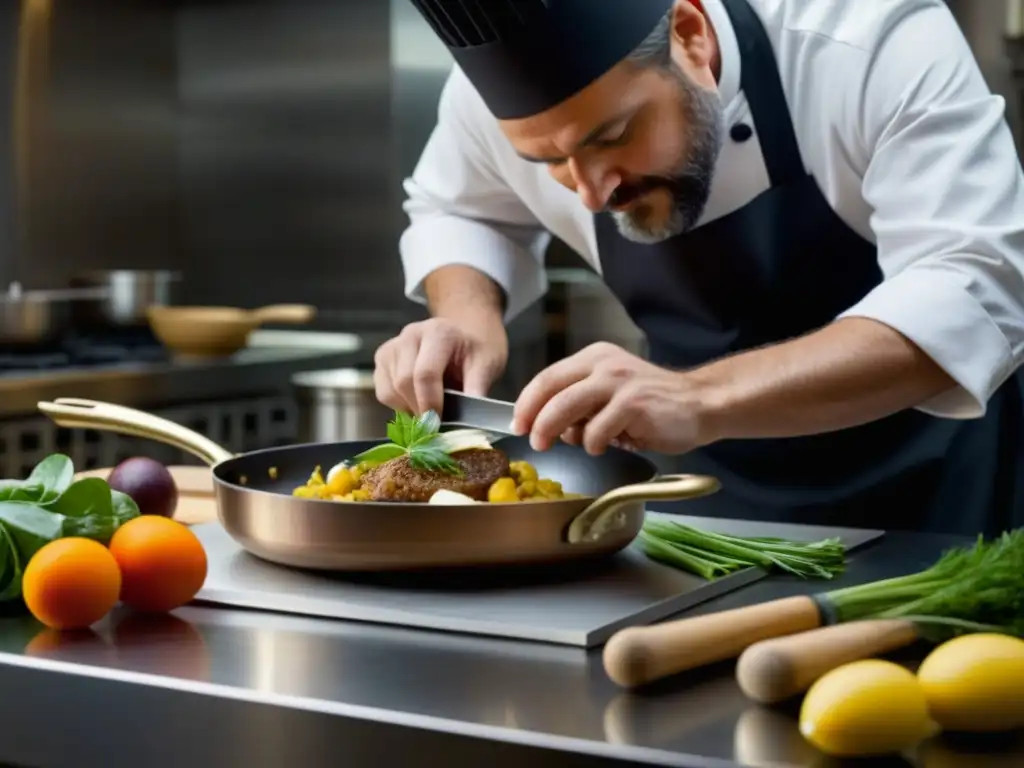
x=50, y=505
x=419, y=438
x=970, y=589
x=711, y=555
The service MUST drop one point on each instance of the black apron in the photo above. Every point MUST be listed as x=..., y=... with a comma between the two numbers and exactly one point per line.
x=780, y=267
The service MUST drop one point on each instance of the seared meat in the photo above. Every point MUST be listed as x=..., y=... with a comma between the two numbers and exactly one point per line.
x=396, y=480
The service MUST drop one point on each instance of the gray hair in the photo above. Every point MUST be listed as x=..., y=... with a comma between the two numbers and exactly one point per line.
x=690, y=181
x=656, y=49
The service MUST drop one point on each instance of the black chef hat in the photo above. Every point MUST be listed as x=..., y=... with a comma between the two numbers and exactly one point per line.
x=526, y=56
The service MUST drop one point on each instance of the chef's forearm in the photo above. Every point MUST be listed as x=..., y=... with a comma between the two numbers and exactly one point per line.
x=465, y=295
x=849, y=373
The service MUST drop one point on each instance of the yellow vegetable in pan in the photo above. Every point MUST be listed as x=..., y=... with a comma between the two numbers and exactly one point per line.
x=522, y=484
x=342, y=484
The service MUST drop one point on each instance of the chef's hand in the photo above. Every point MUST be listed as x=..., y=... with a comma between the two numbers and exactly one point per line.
x=410, y=370
x=602, y=396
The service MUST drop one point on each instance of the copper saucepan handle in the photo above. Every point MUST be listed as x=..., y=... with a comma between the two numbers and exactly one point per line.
x=605, y=514
x=73, y=413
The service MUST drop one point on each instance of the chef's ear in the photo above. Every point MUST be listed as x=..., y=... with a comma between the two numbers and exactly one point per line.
x=692, y=43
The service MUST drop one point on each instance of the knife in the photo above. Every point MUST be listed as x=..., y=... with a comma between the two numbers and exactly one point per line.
x=483, y=413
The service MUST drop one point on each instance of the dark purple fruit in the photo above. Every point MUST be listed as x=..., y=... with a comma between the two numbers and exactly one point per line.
x=149, y=484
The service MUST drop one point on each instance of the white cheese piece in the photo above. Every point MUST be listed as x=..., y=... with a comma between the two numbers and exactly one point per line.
x=463, y=440
x=451, y=497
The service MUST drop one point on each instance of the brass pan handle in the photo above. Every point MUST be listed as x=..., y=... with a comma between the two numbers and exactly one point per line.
x=89, y=414
x=604, y=515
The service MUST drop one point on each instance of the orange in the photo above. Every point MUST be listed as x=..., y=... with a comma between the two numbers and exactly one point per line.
x=163, y=564
x=71, y=583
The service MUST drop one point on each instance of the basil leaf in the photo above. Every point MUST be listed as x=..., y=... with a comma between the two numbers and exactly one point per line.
x=379, y=454
x=427, y=426
x=93, y=527
x=55, y=473
x=123, y=507
x=19, y=490
x=27, y=528
x=407, y=429
x=10, y=575
x=91, y=509
x=409, y=434
x=29, y=523
x=395, y=432
x=90, y=496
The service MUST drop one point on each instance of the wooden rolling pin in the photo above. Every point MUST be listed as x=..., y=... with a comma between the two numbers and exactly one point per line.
x=640, y=655
x=774, y=670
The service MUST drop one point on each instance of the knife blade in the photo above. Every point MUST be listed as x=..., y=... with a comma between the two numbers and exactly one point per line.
x=481, y=413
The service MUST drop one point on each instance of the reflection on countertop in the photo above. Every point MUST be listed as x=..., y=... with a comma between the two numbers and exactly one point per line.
x=552, y=691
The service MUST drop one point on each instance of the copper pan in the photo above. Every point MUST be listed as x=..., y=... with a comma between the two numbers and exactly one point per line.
x=256, y=508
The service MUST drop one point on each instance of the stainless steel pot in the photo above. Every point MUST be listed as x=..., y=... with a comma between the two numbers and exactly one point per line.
x=40, y=317
x=131, y=293
x=338, y=405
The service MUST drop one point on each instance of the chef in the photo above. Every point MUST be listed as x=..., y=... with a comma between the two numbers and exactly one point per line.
x=813, y=209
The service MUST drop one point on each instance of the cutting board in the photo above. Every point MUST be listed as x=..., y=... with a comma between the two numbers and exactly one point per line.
x=582, y=604
x=196, y=502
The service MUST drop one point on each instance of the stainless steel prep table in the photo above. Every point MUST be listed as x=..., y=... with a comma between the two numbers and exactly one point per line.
x=227, y=687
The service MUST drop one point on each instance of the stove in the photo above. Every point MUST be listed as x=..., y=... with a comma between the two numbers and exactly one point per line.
x=87, y=350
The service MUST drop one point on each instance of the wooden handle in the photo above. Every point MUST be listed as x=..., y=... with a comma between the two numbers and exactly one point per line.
x=774, y=670
x=298, y=314
x=641, y=655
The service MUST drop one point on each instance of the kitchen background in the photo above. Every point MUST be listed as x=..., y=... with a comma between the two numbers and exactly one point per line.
x=257, y=148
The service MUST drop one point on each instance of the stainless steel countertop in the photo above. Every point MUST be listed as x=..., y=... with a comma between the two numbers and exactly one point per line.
x=226, y=687
x=256, y=369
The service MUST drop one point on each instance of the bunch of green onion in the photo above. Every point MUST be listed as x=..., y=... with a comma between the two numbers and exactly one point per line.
x=712, y=555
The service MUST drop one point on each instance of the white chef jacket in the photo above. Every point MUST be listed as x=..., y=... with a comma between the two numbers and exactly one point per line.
x=895, y=123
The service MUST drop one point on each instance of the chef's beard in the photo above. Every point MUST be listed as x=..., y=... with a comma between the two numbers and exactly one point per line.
x=689, y=185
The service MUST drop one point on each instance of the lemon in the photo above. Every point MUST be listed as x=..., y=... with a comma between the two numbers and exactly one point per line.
x=975, y=683
x=865, y=708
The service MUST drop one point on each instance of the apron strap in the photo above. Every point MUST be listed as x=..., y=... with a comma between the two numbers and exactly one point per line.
x=761, y=84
